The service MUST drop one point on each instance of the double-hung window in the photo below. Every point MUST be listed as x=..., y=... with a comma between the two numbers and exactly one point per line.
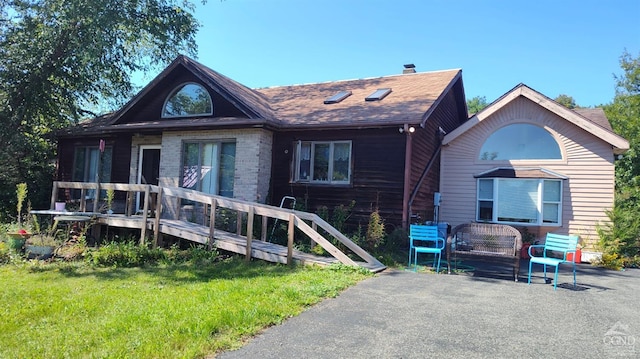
x=326, y=162
x=524, y=201
x=209, y=167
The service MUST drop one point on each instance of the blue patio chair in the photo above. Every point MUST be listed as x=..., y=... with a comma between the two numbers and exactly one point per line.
x=425, y=239
x=553, y=253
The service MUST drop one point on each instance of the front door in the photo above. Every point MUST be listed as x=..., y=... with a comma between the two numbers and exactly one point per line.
x=149, y=168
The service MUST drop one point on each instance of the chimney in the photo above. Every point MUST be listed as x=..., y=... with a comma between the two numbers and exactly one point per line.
x=409, y=69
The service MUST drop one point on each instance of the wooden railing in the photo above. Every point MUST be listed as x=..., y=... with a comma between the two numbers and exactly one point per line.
x=167, y=202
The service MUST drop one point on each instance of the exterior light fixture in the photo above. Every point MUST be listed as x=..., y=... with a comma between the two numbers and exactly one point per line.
x=407, y=128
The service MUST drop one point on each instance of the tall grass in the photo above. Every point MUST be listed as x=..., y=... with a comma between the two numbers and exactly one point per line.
x=177, y=311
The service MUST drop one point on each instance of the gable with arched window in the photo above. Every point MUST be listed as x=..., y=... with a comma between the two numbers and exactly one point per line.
x=524, y=196
x=520, y=141
x=188, y=100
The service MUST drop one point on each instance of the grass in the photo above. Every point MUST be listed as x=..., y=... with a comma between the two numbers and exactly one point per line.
x=68, y=310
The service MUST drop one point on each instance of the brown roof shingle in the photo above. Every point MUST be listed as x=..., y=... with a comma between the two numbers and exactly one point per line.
x=411, y=97
x=301, y=106
x=595, y=115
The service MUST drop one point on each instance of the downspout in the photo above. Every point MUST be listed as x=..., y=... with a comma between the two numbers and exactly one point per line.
x=407, y=177
x=414, y=193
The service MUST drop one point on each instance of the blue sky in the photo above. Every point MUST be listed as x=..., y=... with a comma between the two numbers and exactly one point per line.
x=555, y=47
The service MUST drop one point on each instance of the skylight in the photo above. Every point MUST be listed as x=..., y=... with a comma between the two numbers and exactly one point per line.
x=378, y=95
x=337, y=97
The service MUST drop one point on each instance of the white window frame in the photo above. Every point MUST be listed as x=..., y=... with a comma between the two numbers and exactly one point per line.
x=310, y=176
x=513, y=153
x=539, y=203
x=175, y=91
x=214, y=171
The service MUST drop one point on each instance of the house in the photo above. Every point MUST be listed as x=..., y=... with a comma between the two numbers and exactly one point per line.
x=387, y=143
x=528, y=161
x=374, y=141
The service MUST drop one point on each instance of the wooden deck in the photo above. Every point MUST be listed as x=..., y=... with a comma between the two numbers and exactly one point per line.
x=168, y=203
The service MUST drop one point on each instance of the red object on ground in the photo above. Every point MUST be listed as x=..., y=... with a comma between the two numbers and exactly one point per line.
x=524, y=252
x=578, y=256
x=22, y=231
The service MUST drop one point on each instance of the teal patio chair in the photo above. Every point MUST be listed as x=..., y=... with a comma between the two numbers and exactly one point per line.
x=554, y=252
x=425, y=239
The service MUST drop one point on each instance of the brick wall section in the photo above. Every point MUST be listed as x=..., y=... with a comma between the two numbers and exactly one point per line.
x=136, y=142
x=253, y=159
x=265, y=154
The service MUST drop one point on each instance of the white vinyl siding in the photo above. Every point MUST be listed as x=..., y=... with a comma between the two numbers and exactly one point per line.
x=587, y=163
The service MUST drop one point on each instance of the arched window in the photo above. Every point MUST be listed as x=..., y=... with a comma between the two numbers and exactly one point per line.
x=520, y=141
x=188, y=99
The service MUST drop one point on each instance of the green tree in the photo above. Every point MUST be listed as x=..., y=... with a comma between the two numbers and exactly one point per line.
x=620, y=239
x=566, y=101
x=476, y=104
x=59, y=59
x=624, y=115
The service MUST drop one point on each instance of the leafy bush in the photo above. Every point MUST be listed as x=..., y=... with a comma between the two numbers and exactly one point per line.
x=226, y=219
x=130, y=254
x=611, y=261
x=323, y=212
x=123, y=254
x=397, y=241
x=375, y=230
x=195, y=254
x=341, y=214
x=620, y=237
x=5, y=256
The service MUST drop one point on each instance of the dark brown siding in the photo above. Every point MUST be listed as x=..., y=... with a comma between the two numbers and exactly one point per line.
x=452, y=110
x=121, y=156
x=377, y=174
x=425, y=142
x=149, y=108
x=448, y=115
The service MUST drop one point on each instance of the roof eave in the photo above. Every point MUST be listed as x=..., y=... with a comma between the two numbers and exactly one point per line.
x=442, y=95
x=162, y=126
x=617, y=142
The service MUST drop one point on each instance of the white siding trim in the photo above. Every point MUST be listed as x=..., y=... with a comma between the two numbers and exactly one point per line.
x=620, y=144
x=587, y=193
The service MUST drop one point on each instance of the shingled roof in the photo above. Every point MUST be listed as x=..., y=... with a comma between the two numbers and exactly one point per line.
x=595, y=115
x=411, y=97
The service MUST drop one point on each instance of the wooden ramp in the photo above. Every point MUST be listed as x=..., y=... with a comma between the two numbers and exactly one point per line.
x=163, y=211
x=227, y=241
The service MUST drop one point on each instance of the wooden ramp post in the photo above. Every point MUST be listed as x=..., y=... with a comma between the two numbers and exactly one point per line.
x=212, y=224
x=54, y=195
x=249, y=231
x=145, y=215
x=156, y=225
x=290, y=232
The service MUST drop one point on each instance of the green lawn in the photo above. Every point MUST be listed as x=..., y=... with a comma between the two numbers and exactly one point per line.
x=77, y=311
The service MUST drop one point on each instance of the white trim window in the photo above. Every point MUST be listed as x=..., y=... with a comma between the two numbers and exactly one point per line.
x=520, y=141
x=325, y=162
x=209, y=167
x=188, y=100
x=521, y=201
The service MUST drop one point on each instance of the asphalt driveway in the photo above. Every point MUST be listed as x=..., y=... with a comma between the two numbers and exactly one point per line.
x=479, y=314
